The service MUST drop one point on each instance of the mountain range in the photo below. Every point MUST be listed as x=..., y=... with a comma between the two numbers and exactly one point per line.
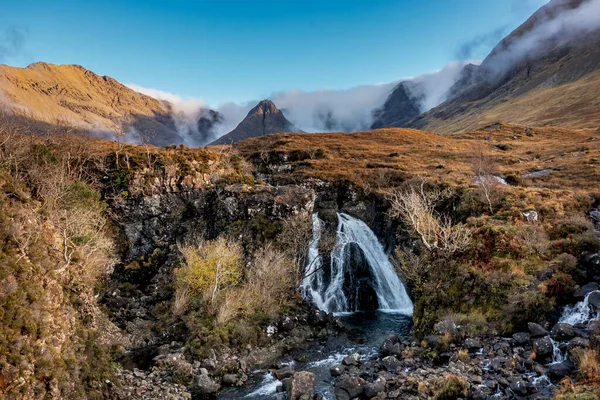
x=554, y=81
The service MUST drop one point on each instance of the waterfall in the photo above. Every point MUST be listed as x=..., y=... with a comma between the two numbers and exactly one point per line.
x=557, y=355
x=330, y=289
x=579, y=313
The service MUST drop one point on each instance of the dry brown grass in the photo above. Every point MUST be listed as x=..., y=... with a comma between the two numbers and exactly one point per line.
x=386, y=157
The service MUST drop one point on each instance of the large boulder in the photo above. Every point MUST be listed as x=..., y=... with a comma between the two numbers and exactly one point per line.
x=577, y=343
x=351, y=359
x=585, y=290
x=372, y=389
x=594, y=300
x=557, y=372
x=282, y=373
x=337, y=370
x=349, y=387
x=521, y=338
x=563, y=331
x=543, y=348
x=204, y=385
x=536, y=330
x=302, y=386
x=391, y=346
x=391, y=363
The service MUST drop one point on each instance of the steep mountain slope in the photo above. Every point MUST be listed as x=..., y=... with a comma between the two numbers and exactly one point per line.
x=73, y=95
x=263, y=119
x=400, y=107
x=538, y=75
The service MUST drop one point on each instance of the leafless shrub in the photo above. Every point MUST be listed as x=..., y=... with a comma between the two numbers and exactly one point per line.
x=534, y=238
x=295, y=239
x=416, y=206
x=485, y=170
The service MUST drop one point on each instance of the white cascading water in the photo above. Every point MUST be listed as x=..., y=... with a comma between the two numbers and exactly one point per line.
x=579, y=313
x=329, y=296
x=557, y=355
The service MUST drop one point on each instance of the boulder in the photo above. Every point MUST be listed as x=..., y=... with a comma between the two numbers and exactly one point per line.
x=563, y=331
x=536, y=330
x=391, y=363
x=391, y=346
x=473, y=344
x=337, y=370
x=349, y=387
x=372, y=389
x=203, y=385
x=594, y=300
x=543, y=348
x=519, y=387
x=578, y=343
x=318, y=318
x=229, y=379
x=302, y=386
x=283, y=373
x=286, y=323
x=557, y=372
x=432, y=341
x=521, y=338
x=351, y=359
x=585, y=290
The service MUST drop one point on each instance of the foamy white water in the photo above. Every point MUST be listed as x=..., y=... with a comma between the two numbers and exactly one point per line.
x=329, y=296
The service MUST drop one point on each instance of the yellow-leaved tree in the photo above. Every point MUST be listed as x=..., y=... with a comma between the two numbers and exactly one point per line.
x=210, y=267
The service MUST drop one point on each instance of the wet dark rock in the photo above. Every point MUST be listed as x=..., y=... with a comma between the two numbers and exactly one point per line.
x=302, y=386
x=536, y=330
x=349, y=387
x=372, y=389
x=557, y=372
x=521, y=338
x=283, y=373
x=563, y=331
x=585, y=290
x=318, y=318
x=391, y=346
x=594, y=300
x=286, y=323
x=337, y=370
x=543, y=348
x=391, y=363
x=519, y=387
x=351, y=359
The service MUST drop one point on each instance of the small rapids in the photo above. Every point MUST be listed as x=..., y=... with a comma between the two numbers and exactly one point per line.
x=581, y=312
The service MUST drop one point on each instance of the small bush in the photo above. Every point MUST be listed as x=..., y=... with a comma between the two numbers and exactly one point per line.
x=453, y=388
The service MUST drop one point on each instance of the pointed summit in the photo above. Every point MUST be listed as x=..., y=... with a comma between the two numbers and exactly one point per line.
x=263, y=119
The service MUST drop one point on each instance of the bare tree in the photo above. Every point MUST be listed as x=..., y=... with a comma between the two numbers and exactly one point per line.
x=146, y=136
x=485, y=171
x=119, y=133
x=416, y=206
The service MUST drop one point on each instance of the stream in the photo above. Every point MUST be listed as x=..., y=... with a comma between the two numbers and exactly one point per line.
x=364, y=333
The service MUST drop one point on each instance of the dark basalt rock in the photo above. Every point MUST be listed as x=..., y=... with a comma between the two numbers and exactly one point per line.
x=563, y=331
x=585, y=290
x=349, y=387
x=536, y=330
x=557, y=372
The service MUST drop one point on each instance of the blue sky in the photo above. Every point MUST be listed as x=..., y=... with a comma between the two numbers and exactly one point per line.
x=237, y=50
